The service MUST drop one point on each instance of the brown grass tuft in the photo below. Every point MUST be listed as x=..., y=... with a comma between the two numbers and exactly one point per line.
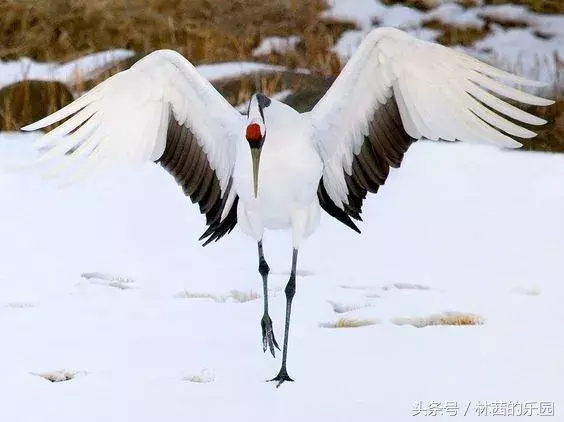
x=447, y=318
x=348, y=323
x=456, y=35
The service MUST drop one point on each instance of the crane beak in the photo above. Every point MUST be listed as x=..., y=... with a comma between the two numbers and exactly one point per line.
x=255, y=154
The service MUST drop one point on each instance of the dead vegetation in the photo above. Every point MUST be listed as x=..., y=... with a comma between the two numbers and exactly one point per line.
x=203, y=30
x=550, y=136
x=447, y=318
x=348, y=323
x=27, y=101
x=456, y=35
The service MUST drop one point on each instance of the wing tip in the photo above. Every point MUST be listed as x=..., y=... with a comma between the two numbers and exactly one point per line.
x=513, y=145
x=546, y=101
x=32, y=126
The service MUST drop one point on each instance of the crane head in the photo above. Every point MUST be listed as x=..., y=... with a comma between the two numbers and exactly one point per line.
x=256, y=132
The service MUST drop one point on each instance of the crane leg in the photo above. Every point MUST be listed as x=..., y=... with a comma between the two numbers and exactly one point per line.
x=268, y=340
x=290, y=290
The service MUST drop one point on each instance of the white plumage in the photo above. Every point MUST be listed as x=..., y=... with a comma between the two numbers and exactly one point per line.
x=276, y=168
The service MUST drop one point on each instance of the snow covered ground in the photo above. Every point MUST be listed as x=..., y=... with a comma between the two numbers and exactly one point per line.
x=105, y=285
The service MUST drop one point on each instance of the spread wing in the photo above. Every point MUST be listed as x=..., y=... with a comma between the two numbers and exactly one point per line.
x=162, y=110
x=397, y=89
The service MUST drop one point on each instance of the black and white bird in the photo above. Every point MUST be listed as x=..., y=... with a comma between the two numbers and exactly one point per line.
x=275, y=168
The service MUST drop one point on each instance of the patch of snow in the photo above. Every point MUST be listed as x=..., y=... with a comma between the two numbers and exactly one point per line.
x=425, y=34
x=401, y=17
x=361, y=12
x=520, y=51
x=228, y=70
x=347, y=44
x=455, y=14
x=469, y=222
x=204, y=376
x=549, y=24
x=506, y=12
x=278, y=45
x=69, y=72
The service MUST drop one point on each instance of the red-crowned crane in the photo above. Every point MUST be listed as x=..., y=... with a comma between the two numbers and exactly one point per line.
x=275, y=168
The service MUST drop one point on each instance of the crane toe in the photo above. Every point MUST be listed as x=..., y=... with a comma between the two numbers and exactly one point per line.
x=268, y=339
x=282, y=377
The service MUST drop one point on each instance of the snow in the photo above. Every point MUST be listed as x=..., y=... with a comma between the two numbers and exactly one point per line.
x=400, y=17
x=522, y=52
x=549, y=25
x=506, y=12
x=228, y=70
x=459, y=228
x=347, y=44
x=25, y=68
x=277, y=45
x=362, y=12
x=455, y=14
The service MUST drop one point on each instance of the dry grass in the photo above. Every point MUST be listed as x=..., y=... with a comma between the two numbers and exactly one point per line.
x=202, y=30
x=348, y=323
x=551, y=136
x=448, y=318
x=456, y=35
x=25, y=102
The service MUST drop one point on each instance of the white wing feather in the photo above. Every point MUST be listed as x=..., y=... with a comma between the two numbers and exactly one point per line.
x=124, y=119
x=440, y=95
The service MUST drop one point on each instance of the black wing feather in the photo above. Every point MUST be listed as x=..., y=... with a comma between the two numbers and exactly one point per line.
x=384, y=147
x=186, y=161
